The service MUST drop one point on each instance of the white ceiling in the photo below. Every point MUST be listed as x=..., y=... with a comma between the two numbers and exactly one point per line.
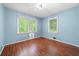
x=34, y=10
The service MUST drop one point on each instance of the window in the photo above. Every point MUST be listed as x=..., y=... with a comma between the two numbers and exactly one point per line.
x=32, y=26
x=53, y=25
x=26, y=25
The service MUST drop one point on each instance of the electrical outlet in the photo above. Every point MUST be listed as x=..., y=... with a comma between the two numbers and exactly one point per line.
x=54, y=37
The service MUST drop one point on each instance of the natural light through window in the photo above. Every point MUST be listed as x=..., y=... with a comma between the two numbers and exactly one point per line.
x=53, y=25
x=26, y=25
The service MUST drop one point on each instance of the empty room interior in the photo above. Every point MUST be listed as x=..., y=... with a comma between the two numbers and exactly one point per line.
x=39, y=29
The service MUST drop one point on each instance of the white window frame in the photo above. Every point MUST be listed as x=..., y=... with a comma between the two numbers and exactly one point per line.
x=35, y=23
x=49, y=24
x=28, y=19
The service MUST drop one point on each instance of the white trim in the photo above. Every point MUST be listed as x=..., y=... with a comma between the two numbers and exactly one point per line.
x=26, y=19
x=63, y=42
x=2, y=49
x=45, y=37
x=19, y=41
x=35, y=24
x=57, y=24
x=37, y=37
x=18, y=25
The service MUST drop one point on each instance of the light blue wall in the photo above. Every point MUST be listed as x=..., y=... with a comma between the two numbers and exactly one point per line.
x=11, y=26
x=67, y=23
x=78, y=24
x=68, y=26
x=1, y=26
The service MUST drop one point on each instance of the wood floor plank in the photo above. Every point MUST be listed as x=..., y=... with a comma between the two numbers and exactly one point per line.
x=40, y=47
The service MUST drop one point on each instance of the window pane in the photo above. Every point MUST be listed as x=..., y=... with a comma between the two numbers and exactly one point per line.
x=26, y=25
x=23, y=24
x=53, y=25
x=32, y=25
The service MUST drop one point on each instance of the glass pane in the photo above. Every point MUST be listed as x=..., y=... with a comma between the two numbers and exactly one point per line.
x=23, y=24
x=32, y=25
x=53, y=25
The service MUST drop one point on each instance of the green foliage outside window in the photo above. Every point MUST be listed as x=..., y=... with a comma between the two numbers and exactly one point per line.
x=32, y=25
x=26, y=25
x=53, y=25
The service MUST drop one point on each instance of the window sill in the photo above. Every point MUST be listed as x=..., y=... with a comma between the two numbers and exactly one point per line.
x=25, y=32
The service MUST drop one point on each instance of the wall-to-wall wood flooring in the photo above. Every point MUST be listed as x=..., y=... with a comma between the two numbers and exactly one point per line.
x=40, y=47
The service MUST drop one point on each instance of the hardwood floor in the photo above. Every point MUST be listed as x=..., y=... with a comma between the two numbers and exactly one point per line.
x=40, y=47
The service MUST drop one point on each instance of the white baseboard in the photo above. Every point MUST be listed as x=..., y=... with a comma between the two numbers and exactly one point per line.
x=13, y=43
x=46, y=37
x=2, y=49
x=64, y=42
x=18, y=41
x=37, y=37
